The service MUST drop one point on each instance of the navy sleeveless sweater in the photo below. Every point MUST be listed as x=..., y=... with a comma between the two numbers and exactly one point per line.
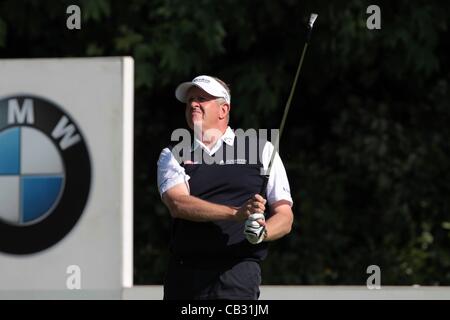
x=230, y=182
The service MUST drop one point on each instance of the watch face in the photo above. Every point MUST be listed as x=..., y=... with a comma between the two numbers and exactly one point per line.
x=45, y=174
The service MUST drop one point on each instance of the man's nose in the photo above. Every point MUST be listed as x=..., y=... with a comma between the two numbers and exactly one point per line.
x=195, y=104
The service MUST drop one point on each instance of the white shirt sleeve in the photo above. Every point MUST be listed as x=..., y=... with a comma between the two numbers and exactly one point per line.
x=170, y=172
x=278, y=184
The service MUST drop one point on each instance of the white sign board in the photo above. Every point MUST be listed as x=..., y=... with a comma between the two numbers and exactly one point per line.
x=66, y=174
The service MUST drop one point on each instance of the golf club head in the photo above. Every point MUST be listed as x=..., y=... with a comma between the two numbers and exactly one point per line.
x=312, y=19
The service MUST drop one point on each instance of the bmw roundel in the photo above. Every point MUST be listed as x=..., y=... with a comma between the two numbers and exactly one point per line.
x=45, y=174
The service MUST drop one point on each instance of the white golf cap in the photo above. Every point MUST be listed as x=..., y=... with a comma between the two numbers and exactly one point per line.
x=206, y=83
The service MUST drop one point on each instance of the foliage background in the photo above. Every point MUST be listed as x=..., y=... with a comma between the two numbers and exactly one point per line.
x=366, y=144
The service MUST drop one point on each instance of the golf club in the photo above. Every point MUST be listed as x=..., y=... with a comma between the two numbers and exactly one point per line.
x=255, y=227
x=312, y=19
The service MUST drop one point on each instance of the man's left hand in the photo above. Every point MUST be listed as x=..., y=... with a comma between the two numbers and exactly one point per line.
x=254, y=231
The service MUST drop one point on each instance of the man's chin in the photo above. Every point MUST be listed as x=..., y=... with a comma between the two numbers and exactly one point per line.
x=197, y=119
x=193, y=124
x=197, y=127
x=198, y=124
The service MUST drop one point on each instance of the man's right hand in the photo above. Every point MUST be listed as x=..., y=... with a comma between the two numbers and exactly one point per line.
x=254, y=205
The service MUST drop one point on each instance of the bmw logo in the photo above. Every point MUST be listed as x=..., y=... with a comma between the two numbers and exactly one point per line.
x=45, y=174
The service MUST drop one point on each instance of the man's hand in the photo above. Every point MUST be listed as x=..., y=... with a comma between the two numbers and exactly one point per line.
x=254, y=205
x=255, y=228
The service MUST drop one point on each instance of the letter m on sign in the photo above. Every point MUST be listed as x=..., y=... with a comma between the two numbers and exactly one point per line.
x=20, y=114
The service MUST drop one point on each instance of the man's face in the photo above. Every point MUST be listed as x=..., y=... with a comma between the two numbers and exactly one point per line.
x=202, y=109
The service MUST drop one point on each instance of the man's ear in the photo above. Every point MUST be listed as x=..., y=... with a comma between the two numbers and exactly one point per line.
x=224, y=110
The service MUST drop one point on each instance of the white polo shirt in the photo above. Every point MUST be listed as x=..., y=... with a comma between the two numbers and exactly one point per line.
x=171, y=173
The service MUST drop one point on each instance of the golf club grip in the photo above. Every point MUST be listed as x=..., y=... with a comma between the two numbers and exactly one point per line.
x=263, y=192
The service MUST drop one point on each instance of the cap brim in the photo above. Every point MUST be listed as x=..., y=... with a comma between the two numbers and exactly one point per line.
x=182, y=90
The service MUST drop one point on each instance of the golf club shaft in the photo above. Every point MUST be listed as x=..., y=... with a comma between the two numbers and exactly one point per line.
x=288, y=104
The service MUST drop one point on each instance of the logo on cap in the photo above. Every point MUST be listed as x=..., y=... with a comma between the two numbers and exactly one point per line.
x=45, y=174
x=201, y=80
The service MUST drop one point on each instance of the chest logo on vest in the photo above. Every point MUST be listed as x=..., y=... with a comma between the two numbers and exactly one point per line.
x=233, y=161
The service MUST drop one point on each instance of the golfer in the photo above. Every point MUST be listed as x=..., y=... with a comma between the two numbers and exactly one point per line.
x=213, y=196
